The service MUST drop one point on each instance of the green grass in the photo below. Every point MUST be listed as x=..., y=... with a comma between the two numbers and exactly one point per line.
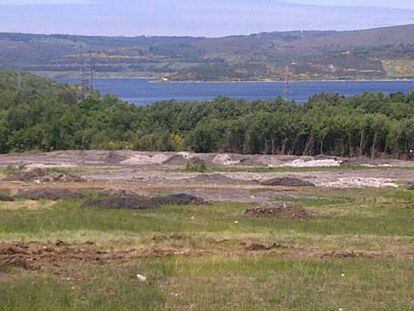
x=218, y=283
x=100, y=289
x=226, y=276
x=70, y=216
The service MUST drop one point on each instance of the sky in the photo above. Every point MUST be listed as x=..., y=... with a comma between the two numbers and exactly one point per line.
x=211, y=18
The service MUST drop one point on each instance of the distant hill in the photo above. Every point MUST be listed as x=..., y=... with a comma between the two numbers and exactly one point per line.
x=382, y=53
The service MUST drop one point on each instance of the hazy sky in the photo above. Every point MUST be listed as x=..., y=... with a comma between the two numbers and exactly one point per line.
x=198, y=17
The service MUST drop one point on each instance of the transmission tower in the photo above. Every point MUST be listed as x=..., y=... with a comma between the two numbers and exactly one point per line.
x=87, y=72
x=19, y=80
x=286, y=87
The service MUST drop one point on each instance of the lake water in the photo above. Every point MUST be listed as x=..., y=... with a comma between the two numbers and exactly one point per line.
x=143, y=91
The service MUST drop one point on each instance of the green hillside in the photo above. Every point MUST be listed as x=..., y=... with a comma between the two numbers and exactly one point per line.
x=365, y=54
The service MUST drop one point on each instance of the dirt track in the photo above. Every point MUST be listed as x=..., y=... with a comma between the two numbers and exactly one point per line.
x=40, y=256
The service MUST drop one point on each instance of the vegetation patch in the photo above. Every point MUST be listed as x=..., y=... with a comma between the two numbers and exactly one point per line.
x=25, y=204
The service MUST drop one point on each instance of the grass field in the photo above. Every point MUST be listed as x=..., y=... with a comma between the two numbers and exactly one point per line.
x=354, y=253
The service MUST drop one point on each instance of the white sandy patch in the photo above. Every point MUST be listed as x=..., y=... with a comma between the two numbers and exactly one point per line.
x=185, y=155
x=141, y=159
x=224, y=159
x=50, y=165
x=313, y=163
x=379, y=165
x=270, y=161
x=359, y=182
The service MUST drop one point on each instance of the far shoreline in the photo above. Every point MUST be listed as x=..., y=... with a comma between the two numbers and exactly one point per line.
x=269, y=81
x=159, y=81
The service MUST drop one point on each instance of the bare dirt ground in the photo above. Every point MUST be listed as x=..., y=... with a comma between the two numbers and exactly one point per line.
x=68, y=159
x=259, y=179
x=41, y=256
x=229, y=177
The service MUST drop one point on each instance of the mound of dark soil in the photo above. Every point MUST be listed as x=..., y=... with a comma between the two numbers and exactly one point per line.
x=287, y=182
x=42, y=176
x=212, y=179
x=128, y=201
x=195, y=161
x=180, y=199
x=114, y=157
x=53, y=194
x=27, y=175
x=5, y=198
x=123, y=202
x=288, y=211
x=177, y=159
x=249, y=162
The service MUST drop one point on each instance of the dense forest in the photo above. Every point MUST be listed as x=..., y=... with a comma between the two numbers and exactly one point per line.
x=39, y=114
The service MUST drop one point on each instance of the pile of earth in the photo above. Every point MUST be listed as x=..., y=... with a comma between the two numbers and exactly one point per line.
x=288, y=211
x=183, y=158
x=36, y=255
x=248, y=162
x=287, y=182
x=53, y=194
x=177, y=159
x=6, y=198
x=130, y=201
x=114, y=157
x=26, y=175
x=212, y=179
x=42, y=176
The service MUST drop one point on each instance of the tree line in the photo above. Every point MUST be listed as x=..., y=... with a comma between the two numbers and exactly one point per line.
x=39, y=114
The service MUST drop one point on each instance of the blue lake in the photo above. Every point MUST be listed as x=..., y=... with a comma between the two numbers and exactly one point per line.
x=143, y=91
